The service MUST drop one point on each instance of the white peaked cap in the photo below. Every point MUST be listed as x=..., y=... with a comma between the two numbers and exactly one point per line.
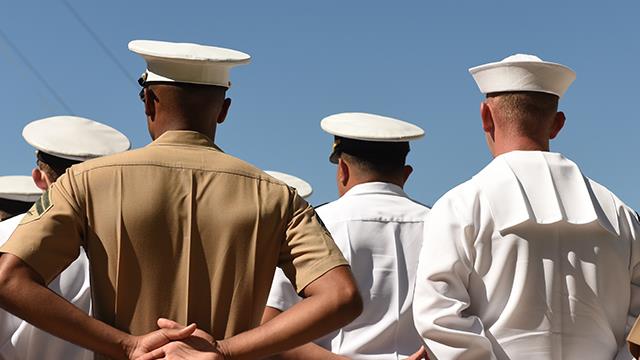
x=74, y=138
x=370, y=127
x=523, y=72
x=304, y=188
x=19, y=188
x=187, y=63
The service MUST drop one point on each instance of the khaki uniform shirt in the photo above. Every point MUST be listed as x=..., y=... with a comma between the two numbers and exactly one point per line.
x=177, y=229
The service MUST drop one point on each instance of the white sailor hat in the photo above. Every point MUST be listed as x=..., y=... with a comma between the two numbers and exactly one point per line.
x=523, y=72
x=74, y=138
x=19, y=188
x=369, y=135
x=187, y=63
x=304, y=188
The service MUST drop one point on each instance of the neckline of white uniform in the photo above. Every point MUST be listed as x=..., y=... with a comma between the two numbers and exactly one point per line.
x=375, y=187
x=541, y=186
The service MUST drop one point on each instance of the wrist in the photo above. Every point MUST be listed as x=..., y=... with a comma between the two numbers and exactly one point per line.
x=222, y=347
x=128, y=344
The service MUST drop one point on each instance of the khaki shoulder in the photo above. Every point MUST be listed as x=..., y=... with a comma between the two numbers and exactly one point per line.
x=123, y=158
x=206, y=159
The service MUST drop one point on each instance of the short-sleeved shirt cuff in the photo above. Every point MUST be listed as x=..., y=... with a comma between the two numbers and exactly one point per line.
x=318, y=269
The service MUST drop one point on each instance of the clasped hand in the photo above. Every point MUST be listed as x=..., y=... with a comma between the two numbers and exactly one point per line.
x=175, y=341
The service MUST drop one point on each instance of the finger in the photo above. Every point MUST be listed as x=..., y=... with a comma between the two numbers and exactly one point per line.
x=179, y=334
x=153, y=355
x=168, y=324
x=420, y=354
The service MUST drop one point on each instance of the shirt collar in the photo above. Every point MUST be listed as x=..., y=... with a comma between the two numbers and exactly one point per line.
x=543, y=187
x=184, y=137
x=377, y=188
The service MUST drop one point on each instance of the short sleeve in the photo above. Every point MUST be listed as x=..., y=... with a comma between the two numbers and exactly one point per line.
x=308, y=251
x=50, y=235
x=282, y=295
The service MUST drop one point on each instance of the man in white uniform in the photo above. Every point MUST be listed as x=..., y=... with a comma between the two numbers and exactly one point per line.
x=17, y=195
x=60, y=141
x=378, y=228
x=529, y=259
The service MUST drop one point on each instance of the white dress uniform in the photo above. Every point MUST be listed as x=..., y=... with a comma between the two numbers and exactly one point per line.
x=379, y=230
x=529, y=260
x=69, y=138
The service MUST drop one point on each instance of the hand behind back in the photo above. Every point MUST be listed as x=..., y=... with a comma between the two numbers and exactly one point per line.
x=198, y=346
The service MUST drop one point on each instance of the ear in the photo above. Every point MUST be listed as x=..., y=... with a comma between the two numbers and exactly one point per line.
x=487, y=117
x=149, y=103
x=406, y=172
x=343, y=172
x=558, y=123
x=224, y=111
x=40, y=179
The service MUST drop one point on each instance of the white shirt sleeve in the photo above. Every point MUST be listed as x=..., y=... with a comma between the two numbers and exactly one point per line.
x=282, y=295
x=441, y=296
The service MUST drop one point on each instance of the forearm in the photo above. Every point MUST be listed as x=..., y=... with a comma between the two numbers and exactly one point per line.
x=309, y=350
x=333, y=301
x=23, y=294
x=304, y=322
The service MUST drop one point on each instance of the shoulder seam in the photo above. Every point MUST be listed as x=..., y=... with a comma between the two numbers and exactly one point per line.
x=83, y=171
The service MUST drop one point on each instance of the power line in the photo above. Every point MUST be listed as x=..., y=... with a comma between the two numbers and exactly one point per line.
x=35, y=72
x=7, y=53
x=102, y=45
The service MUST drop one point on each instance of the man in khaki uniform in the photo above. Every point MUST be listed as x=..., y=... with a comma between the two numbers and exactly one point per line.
x=178, y=229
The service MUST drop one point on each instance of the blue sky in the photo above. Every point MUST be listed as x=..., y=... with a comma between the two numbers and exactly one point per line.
x=311, y=59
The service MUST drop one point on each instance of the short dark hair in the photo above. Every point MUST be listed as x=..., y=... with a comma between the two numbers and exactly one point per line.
x=197, y=90
x=52, y=165
x=376, y=157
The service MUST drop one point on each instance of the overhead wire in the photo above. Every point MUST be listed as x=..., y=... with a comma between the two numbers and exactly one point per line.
x=45, y=98
x=35, y=72
x=100, y=43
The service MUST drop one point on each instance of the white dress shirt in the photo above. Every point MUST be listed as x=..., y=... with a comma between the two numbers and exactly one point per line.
x=379, y=231
x=20, y=340
x=529, y=259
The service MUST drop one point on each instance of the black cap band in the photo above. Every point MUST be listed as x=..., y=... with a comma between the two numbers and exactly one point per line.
x=373, y=151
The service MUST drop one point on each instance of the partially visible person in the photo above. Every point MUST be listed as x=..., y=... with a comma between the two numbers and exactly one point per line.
x=379, y=230
x=17, y=195
x=178, y=229
x=633, y=339
x=60, y=142
x=530, y=259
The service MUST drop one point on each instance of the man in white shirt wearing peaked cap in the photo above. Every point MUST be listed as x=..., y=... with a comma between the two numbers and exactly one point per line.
x=378, y=228
x=60, y=142
x=530, y=259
